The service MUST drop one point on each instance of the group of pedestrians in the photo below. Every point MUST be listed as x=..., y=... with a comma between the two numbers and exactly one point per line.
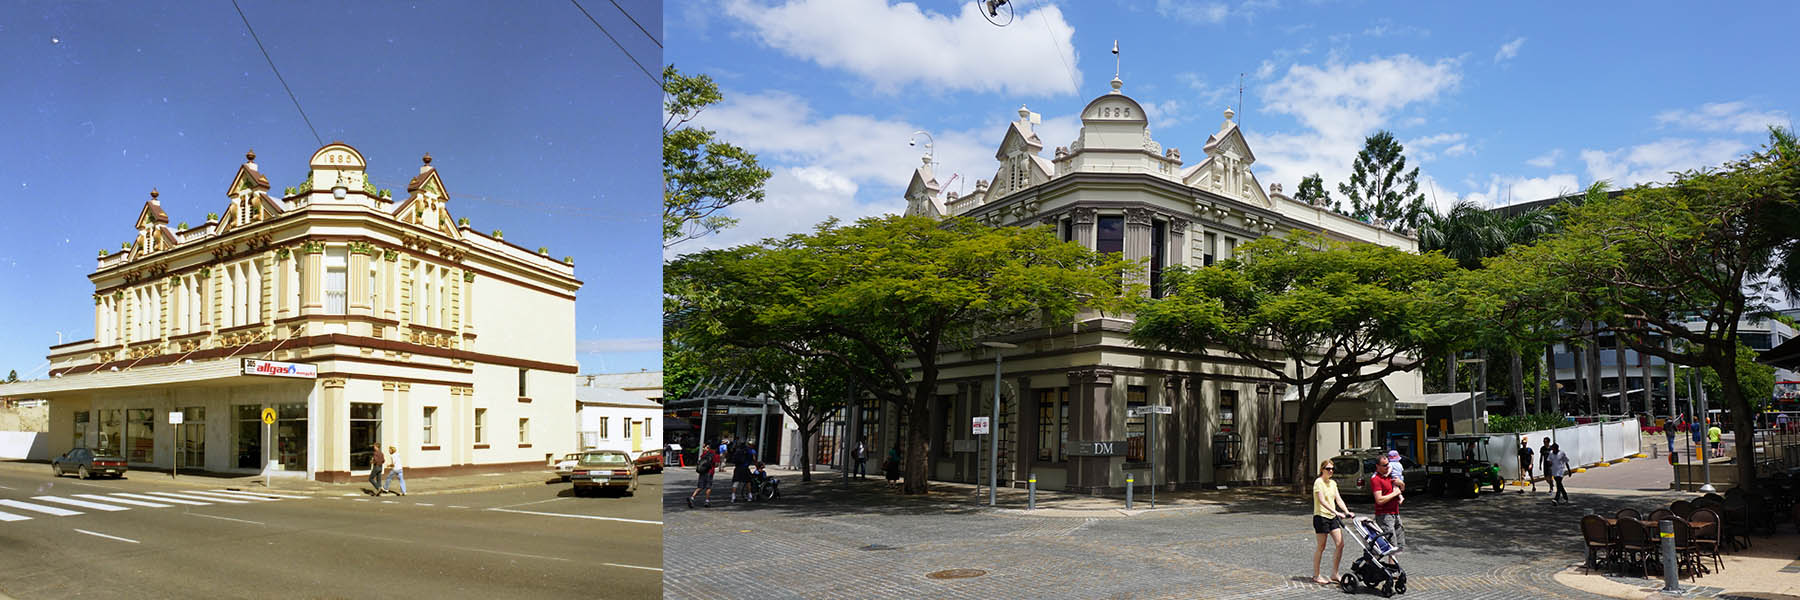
x=394, y=471
x=1329, y=510
x=746, y=470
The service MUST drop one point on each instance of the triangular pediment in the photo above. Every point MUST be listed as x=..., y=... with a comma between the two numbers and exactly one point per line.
x=246, y=178
x=1018, y=139
x=922, y=195
x=1230, y=141
x=429, y=184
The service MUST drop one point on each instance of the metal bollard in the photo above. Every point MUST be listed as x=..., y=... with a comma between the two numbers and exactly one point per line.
x=1031, y=492
x=1588, y=512
x=1671, y=572
x=1130, y=485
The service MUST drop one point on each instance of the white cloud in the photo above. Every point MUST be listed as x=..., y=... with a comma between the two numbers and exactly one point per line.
x=1509, y=50
x=1339, y=104
x=595, y=346
x=1204, y=93
x=1425, y=148
x=1652, y=162
x=1384, y=27
x=1165, y=114
x=900, y=46
x=844, y=166
x=1201, y=13
x=1546, y=160
x=1505, y=190
x=1736, y=117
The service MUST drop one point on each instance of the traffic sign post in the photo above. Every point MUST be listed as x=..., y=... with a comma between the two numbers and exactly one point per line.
x=268, y=419
x=981, y=425
x=175, y=419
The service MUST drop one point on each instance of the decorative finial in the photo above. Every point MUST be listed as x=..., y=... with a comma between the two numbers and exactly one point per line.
x=926, y=159
x=153, y=194
x=428, y=158
x=251, y=155
x=1116, y=84
x=1229, y=113
x=1024, y=113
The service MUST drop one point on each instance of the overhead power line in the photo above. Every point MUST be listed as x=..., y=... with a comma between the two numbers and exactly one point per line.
x=615, y=42
x=640, y=26
x=278, y=77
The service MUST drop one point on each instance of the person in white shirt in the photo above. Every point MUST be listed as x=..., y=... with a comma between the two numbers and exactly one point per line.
x=395, y=471
x=1559, y=468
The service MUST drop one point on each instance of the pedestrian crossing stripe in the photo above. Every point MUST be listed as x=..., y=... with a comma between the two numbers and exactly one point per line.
x=112, y=502
x=162, y=499
x=123, y=501
x=80, y=503
x=189, y=496
x=48, y=510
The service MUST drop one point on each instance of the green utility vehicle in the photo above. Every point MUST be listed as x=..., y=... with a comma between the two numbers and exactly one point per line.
x=1457, y=465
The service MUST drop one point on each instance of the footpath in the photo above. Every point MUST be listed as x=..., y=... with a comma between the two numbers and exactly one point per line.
x=415, y=486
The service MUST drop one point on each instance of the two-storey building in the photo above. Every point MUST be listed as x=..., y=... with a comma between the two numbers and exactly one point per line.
x=1116, y=189
x=347, y=316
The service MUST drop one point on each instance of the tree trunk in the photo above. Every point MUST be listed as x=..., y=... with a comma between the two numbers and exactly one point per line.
x=1301, y=467
x=1593, y=365
x=1450, y=369
x=1742, y=418
x=1518, y=382
x=807, y=428
x=1554, y=389
x=1579, y=358
x=1624, y=374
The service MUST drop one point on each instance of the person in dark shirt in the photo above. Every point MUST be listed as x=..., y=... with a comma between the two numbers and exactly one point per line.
x=1525, y=464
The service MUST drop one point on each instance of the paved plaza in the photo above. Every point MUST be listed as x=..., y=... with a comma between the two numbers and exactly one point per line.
x=823, y=540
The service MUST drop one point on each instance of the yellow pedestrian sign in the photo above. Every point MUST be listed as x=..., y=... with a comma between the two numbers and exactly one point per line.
x=268, y=416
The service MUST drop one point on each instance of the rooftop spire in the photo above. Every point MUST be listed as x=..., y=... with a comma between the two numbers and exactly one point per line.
x=153, y=195
x=1116, y=82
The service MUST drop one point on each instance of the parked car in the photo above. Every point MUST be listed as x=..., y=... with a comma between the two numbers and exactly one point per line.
x=604, y=470
x=1353, y=468
x=86, y=463
x=566, y=466
x=651, y=461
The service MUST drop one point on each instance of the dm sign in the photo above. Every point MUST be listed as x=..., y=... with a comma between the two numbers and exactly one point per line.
x=280, y=369
x=1114, y=448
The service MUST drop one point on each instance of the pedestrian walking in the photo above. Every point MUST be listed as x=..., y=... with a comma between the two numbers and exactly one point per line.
x=1328, y=507
x=395, y=471
x=705, y=466
x=1559, y=468
x=1544, y=460
x=1712, y=437
x=1387, y=503
x=1525, y=455
x=740, y=471
x=892, y=465
x=861, y=454
x=376, y=460
x=1669, y=433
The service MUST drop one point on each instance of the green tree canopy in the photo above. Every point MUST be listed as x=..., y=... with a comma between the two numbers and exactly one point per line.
x=701, y=174
x=1316, y=314
x=1312, y=192
x=881, y=299
x=1688, y=260
x=1380, y=189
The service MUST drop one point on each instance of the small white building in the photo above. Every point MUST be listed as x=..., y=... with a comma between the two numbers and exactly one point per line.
x=619, y=411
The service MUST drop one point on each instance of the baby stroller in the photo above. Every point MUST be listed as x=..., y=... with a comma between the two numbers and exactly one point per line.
x=764, y=488
x=1376, y=570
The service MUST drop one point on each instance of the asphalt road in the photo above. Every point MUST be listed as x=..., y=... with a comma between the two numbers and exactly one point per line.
x=530, y=542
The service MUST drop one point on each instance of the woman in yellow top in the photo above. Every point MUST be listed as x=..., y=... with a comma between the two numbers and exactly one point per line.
x=1328, y=506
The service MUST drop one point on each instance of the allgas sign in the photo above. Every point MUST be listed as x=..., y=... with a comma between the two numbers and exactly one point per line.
x=280, y=369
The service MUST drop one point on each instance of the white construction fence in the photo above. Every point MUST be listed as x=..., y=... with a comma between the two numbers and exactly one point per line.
x=1587, y=445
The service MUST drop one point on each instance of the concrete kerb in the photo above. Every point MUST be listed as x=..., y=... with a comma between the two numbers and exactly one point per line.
x=251, y=483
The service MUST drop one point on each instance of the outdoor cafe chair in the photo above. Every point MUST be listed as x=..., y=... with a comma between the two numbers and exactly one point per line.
x=1682, y=508
x=1686, y=551
x=1628, y=513
x=1635, y=545
x=1735, y=524
x=1600, y=545
x=1660, y=514
x=1706, y=525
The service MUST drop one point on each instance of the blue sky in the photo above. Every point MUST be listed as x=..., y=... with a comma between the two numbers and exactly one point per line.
x=1497, y=103
x=538, y=124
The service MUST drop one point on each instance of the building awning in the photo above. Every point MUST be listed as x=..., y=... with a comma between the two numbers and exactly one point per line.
x=211, y=372
x=1785, y=356
x=1366, y=401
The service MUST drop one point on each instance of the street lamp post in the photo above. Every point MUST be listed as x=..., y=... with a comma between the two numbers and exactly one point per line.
x=994, y=423
x=1474, y=422
x=1706, y=462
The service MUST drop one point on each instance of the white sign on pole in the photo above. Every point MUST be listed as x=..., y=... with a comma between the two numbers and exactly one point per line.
x=175, y=417
x=1151, y=410
x=981, y=425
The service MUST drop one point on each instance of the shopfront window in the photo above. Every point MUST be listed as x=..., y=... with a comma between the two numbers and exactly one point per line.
x=192, y=437
x=1048, y=425
x=140, y=435
x=249, y=436
x=81, y=430
x=112, y=432
x=365, y=432
x=290, y=436
x=1135, y=448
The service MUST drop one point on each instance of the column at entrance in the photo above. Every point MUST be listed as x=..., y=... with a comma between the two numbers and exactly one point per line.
x=1091, y=421
x=1172, y=445
x=333, y=428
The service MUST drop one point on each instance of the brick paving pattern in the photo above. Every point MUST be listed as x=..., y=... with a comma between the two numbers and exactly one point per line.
x=821, y=541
